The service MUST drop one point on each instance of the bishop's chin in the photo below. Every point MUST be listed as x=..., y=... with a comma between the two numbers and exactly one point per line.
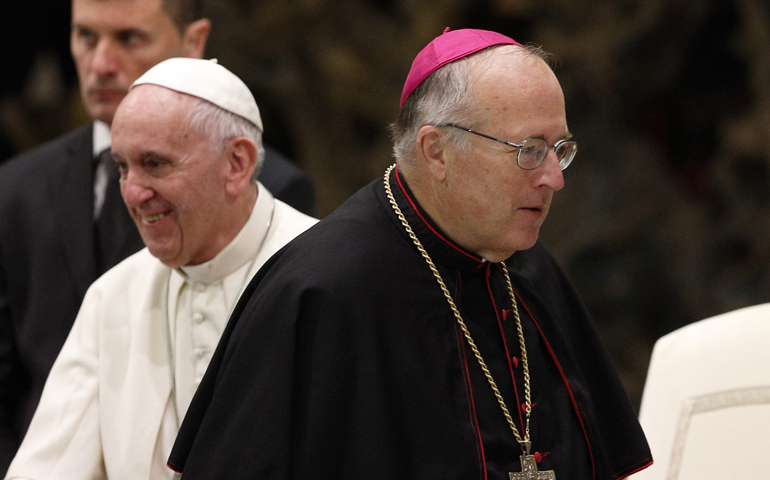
x=526, y=242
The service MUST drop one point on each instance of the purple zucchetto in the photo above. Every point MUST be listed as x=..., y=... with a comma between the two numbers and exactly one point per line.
x=446, y=48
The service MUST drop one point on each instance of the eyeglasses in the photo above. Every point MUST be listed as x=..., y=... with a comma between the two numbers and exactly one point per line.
x=532, y=151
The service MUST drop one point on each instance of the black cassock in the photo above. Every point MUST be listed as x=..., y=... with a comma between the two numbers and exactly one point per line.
x=343, y=360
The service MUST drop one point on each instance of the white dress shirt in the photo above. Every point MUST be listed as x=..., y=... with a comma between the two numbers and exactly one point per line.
x=102, y=140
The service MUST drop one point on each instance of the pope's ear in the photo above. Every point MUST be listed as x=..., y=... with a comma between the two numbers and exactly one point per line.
x=194, y=38
x=241, y=162
x=430, y=150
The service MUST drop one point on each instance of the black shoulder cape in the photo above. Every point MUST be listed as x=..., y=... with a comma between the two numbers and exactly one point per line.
x=343, y=360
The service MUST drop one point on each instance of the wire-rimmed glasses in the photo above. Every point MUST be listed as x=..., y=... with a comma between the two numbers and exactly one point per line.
x=532, y=151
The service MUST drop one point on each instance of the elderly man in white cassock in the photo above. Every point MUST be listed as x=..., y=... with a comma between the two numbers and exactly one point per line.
x=187, y=141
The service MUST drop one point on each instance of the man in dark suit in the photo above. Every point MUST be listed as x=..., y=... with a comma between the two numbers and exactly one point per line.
x=62, y=220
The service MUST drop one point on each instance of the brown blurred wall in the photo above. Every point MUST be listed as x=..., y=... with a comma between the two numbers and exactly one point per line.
x=665, y=217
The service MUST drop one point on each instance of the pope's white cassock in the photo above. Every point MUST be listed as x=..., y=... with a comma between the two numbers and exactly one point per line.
x=108, y=409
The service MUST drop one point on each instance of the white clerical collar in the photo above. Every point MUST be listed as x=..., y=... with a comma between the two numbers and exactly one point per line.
x=242, y=248
x=102, y=138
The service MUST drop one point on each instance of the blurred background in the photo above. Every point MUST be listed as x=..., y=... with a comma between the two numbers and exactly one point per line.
x=665, y=217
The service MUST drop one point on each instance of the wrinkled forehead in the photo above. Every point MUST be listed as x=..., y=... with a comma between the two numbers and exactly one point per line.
x=511, y=69
x=520, y=93
x=514, y=62
x=121, y=14
x=152, y=106
x=164, y=5
x=149, y=98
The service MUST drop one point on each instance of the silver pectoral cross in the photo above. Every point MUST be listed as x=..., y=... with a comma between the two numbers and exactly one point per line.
x=529, y=470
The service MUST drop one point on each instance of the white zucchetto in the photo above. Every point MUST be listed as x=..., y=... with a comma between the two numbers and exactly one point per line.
x=205, y=79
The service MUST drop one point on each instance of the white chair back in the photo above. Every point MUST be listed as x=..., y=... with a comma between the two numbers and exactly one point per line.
x=706, y=402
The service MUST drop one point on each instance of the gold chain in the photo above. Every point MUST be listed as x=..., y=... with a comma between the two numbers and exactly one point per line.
x=524, y=442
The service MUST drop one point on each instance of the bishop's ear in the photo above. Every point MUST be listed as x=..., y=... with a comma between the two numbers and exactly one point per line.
x=430, y=150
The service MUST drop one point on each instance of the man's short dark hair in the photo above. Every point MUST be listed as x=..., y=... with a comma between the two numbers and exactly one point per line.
x=184, y=12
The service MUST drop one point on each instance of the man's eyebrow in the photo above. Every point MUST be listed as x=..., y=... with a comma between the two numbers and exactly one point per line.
x=152, y=154
x=118, y=32
x=566, y=136
x=131, y=30
x=145, y=155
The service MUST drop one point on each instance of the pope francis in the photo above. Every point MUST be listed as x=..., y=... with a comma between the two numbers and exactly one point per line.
x=187, y=142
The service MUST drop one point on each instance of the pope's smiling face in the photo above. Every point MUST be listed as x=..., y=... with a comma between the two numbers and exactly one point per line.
x=172, y=180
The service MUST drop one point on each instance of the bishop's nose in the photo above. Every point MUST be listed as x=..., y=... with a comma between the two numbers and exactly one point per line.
x=551, y=174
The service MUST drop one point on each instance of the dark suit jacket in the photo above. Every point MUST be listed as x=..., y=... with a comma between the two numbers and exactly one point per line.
x=48, y=261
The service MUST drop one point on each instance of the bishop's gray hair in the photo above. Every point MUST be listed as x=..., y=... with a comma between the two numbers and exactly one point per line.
x=447, y=96
x=217, y=123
